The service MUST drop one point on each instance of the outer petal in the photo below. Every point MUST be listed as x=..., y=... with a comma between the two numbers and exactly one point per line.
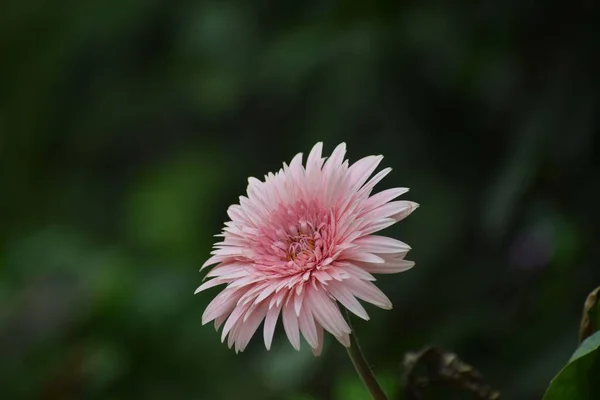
x=270, y=323
x=368, y=292
x=326, y=312
x=390, y=267
x=308, y=327
x=347, y=299
x=361, y=170
x=222, y=304
x=383, y=197
x=381, y=245
x=319, y=349
x=250, y=326
x=314, y=160
x=290, y=324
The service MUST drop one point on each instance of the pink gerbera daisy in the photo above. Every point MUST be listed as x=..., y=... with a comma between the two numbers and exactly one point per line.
x=301, y=242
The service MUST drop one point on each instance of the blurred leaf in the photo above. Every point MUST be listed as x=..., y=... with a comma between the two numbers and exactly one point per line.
x=590, y=322
x=389, y=384
x=69, y=380
x=350, y=388
x=292, y=56
x=221, y=31
x=517, y=174
x=579, y=379
x=104, y=364
x=51, y=250
x=284, y=368
x=166, y=209
x=301, y=397
x=215, y=90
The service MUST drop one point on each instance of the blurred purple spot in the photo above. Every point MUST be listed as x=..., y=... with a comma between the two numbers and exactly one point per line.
x=534, y=247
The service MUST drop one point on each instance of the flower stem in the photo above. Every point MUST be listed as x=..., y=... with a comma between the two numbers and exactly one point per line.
x=362, y=366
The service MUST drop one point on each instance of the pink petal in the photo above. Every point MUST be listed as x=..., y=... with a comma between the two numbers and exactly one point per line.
x=383, y=197
x=361, y=170
x=314, y=160
x=393, y=208
x=253, y=292
x=347, y=299
x=270, y=323
x=330, y=178
x=249, y=327
x=290, y=324
x=236, y=214
x=308, y=327
x=368, y=292
x=229, y=271
x=298, y=303
x=390, y=267
x=358, y=255
x=219, y=321
x=233, y=335
x=344, y=339
x=233, y=319
x=227, y=251
x=337, y=157
x=377, y=226
x=296, y=165
x=319, y=349
x=266, y=292
x=352, y=269
x=222, y=304
x=327, y=313
x=212, y=260
x=381, y=244
x=209, y=284
x=412, y=206
x=366, y=189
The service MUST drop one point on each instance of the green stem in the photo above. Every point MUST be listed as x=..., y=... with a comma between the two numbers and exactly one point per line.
x=362, y=366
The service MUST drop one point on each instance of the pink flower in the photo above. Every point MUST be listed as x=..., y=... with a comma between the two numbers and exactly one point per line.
x=301, y=242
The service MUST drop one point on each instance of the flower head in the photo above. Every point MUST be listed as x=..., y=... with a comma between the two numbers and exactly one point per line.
x=301, y=242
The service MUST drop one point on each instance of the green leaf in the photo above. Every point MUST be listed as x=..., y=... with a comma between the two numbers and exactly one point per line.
x=578, y=380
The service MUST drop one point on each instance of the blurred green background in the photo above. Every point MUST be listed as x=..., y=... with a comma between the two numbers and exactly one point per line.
x=128, y=126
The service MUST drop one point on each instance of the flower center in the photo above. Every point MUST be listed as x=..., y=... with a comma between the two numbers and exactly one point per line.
x=300, y=248
x=298, y=238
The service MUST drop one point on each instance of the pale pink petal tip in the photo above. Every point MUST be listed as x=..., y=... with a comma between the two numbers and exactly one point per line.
x=302, y=243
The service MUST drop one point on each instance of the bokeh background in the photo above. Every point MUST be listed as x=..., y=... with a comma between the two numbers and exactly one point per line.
x=128, y=127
